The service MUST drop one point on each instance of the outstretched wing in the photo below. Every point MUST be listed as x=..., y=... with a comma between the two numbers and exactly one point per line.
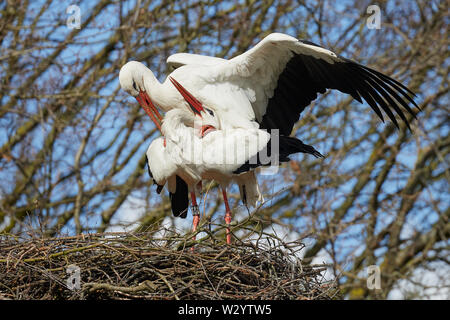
x=286, y=74
x=180, y=59
x=162, y=170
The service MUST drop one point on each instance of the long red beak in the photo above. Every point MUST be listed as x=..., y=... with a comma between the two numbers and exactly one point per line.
x=196, y=106
x=146, y=103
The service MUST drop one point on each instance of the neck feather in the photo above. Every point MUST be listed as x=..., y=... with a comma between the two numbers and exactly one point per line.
x=176, y=123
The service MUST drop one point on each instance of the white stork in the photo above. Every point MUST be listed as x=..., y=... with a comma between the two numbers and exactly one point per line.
x=266, y=87
x=179, y=174
x=269, y=85
x=188, y=154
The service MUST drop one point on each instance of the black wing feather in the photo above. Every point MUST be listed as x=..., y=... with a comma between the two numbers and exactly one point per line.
x=305, y=76
x=287, y=146
x=180, y=199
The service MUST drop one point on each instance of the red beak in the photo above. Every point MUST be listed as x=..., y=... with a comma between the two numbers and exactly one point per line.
x=141, y=101
x=146, y=103
x=196, y=106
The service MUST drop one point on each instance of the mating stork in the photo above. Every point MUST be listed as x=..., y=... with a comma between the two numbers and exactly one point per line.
x=188, y=154
x=267, y=87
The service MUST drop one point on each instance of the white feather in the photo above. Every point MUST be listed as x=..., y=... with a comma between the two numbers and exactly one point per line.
x=238, y=90
x=214, y=156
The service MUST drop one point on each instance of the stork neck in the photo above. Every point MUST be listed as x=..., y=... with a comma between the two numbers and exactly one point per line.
x=174, y=124
x=154, y=88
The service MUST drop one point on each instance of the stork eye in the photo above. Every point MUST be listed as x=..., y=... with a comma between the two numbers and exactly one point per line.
x=210, y=112
x=134, y=86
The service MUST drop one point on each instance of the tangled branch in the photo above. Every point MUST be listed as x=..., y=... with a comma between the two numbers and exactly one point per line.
x=132, y=266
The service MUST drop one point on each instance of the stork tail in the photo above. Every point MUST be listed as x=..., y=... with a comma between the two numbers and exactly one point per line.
x=249, y=189
x=287, y=146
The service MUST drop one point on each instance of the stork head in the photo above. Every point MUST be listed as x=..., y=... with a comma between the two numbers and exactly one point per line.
x=204, y=119
x=131, y=78
x=182, y=122
x=206, y=123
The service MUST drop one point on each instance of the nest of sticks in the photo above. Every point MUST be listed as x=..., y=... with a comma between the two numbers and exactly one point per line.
x=134, y=266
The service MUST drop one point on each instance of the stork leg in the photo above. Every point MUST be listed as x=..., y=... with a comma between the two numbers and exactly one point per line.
x=227, y=214
x=195, y=213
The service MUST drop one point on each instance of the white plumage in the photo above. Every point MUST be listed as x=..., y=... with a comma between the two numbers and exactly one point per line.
x=266, y=87
x=277, y=78
x=213, y=156
x=190, y=152
x=180, y=59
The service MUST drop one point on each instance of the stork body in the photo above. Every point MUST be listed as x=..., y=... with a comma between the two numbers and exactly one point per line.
x=267, y=87
x=188, y=152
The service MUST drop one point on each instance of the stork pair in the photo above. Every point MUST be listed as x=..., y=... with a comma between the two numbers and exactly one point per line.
x=266, y=87
x=194, y=147
x=177, y=158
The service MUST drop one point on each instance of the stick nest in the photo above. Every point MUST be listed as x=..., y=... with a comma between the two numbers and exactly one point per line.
x=132, y=266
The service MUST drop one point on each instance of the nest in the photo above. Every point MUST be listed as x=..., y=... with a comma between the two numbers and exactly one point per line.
x=132, y=266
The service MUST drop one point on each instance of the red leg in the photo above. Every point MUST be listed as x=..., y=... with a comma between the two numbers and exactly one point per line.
x=227, y=215
x=195, y=214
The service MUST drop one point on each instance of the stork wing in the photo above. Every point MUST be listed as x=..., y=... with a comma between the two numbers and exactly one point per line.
x=180, y=59
x=286, y=74
x=240, y=150
x=161, y=169
x=227, y=150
